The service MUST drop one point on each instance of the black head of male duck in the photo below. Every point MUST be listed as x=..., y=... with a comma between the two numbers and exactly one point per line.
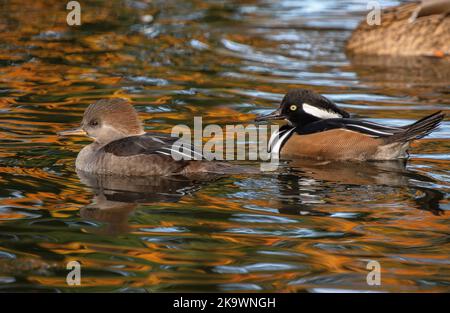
x=302, y=106
x=318, y=129
x=121, y=147
x=419, y=28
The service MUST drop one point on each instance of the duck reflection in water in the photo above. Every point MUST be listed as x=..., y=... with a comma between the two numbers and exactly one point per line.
x=116, y=197
x=302, y=185
x=305, y=184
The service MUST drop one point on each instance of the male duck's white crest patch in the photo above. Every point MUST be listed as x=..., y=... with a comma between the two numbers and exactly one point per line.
x=320, y=112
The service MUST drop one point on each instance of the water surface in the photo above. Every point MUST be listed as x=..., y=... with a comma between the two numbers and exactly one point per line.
x=308, y=227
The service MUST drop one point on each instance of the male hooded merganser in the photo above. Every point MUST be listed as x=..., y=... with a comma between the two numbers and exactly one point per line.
x=420, y=28
x=318, y=129
x=121, y=147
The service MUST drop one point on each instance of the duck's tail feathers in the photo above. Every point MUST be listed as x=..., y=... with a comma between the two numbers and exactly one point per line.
x=419, y=129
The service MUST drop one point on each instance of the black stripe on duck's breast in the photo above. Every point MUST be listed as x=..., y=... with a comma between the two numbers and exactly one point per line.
x=279, y=138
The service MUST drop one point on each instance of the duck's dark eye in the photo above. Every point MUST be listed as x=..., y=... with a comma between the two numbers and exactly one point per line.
x=93, y=123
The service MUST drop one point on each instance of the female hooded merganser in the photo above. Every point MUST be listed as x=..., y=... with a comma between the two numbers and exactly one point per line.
x=121, y=147
x=411, y=29
x=318, y=129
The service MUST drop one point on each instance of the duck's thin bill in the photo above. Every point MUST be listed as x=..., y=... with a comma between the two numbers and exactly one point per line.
x=72, y=132
x=275, y=115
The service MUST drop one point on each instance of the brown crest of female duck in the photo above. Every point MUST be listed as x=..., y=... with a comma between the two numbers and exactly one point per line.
x=318, y=129
x=412, y=29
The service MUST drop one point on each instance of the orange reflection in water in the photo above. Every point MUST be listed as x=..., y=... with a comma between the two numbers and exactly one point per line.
x=307, y=227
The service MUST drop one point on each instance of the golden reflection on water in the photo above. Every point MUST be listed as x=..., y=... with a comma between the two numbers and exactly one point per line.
x=307, y=226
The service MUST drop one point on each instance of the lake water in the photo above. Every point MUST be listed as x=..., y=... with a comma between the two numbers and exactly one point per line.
x=307, y=227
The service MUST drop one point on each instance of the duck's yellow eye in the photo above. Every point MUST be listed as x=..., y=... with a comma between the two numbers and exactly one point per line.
x=293, y=107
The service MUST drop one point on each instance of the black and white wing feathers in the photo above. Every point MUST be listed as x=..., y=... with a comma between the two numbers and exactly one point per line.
x=365, y=127
x=150, y=143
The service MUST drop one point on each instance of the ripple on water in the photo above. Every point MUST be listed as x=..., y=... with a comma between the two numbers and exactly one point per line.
x=307, y=227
